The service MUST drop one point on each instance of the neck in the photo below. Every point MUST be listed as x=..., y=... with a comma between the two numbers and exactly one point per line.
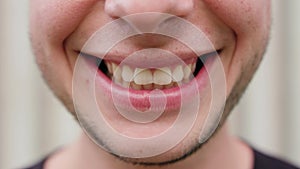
x=222, y=151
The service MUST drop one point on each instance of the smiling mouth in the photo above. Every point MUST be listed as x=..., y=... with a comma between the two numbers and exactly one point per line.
x=140, y=78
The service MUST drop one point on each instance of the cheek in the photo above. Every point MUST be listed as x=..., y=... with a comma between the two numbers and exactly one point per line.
x=54, y=20
x=51, y=21
x=250, y=20
x=243, y=16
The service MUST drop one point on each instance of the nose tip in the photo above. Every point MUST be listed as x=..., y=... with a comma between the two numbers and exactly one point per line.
x=150, y=12
x=119, y=8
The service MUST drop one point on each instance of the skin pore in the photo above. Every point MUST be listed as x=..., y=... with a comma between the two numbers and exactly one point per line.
x=240, y=28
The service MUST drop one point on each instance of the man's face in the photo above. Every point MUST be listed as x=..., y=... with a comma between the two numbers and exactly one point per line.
x=237, y=29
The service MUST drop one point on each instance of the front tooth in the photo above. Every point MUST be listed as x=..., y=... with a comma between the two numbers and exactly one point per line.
x=162, y=76
x=156, y=86
x=169, y=85
x=148, y=86
x=143, y=76
x=178, y=74
x=187, y=71
x=127, y=73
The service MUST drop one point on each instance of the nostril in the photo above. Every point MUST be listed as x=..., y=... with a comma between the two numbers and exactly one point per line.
x=113, y=9
x=146, y=22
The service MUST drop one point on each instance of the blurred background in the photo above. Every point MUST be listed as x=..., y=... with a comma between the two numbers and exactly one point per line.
x=33, y=123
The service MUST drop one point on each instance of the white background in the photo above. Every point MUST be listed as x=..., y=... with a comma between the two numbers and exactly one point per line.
x=33, y=123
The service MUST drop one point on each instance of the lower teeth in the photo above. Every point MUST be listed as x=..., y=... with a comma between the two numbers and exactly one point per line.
x=152, y=86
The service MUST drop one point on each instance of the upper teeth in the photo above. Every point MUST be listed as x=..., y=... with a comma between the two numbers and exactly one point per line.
x=142, y=76
x=160, y=78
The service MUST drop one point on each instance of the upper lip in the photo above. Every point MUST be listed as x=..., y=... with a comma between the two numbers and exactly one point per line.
x=157, y=60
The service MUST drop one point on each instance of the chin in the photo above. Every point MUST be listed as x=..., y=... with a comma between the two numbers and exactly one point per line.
x=178, y=154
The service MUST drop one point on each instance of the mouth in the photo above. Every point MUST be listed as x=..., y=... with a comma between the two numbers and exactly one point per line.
x=148, y=79
x=179, y=82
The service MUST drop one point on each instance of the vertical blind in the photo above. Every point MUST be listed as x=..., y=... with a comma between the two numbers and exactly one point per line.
x=33, y=123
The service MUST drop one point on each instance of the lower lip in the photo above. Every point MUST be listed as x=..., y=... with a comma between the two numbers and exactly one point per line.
x=140, y=99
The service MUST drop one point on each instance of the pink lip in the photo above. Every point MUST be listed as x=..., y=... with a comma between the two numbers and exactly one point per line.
x=140, y=98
